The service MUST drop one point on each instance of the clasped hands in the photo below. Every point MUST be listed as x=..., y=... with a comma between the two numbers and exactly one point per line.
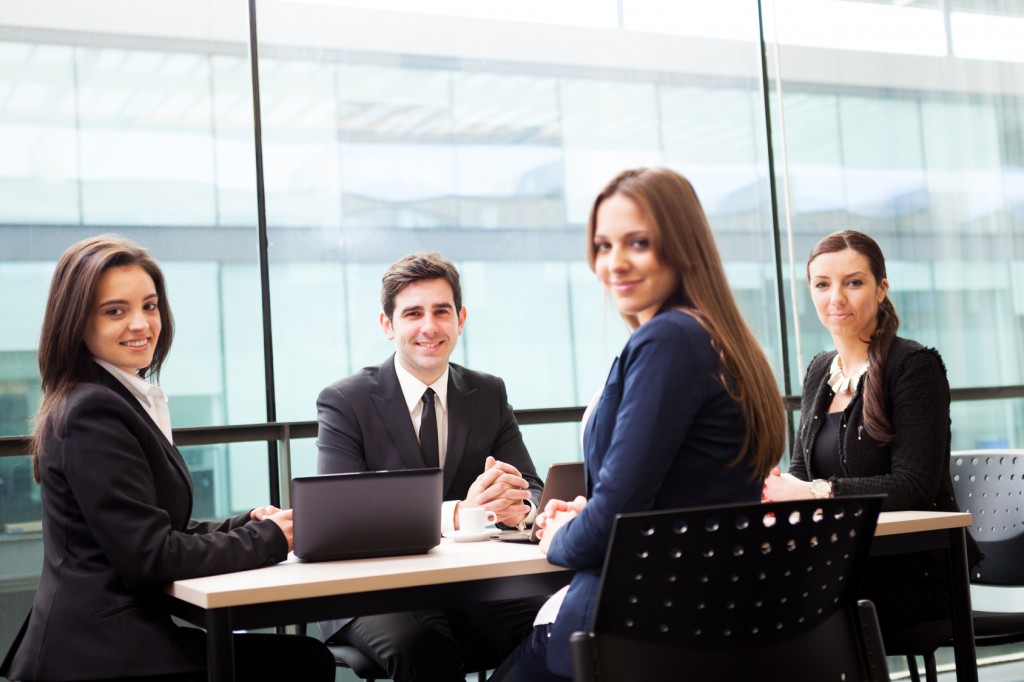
x=556, y=514
x=500, y=489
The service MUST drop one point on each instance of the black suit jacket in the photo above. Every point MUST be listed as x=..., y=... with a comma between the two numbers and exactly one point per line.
x=364, y=425
x=117, y=501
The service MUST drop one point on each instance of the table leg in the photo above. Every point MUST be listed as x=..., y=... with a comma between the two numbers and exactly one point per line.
x=963, y=620
x=220, y=646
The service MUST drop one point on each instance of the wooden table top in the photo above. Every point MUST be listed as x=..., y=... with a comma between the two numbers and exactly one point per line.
x=447, y=563
x=294, y=579
x=896, y=522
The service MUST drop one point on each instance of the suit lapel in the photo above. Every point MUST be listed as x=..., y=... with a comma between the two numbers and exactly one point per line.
x=111, y=382
x=461, y=411
x=389, y=402
x=590, y=449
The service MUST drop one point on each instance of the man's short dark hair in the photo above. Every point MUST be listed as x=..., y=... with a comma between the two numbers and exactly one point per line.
x=416, y=267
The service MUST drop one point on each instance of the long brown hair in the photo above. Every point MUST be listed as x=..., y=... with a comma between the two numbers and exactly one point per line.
x=876, y=418
x=682, y=240
x=64, y=361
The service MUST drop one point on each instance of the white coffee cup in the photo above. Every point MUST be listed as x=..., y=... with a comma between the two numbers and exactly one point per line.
x=475, y=519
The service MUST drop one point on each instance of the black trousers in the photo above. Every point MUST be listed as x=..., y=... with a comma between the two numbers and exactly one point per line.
x=907, y=590
x=442, y=645
x=264, y=658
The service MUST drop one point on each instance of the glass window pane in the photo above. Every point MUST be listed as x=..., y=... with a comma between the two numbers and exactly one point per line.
x=118, y=120
x=491, y=152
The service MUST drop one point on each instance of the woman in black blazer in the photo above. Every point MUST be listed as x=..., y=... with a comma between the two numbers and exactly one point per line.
x=117, y=496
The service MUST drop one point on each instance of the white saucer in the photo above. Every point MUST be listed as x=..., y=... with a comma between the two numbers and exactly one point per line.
x=467, y=536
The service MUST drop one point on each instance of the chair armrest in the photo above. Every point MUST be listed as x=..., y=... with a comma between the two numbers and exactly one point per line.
x=582, y=646
x=871, y=634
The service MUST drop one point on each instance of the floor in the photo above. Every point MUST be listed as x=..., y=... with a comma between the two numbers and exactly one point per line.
x=1003, y=669
x=988, y=671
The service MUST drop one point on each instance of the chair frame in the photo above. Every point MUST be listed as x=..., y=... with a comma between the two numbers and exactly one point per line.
x=736, y=592
x=997, y=509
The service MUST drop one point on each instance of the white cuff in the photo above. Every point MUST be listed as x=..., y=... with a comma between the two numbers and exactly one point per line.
x=448, y=515
x=528, y=521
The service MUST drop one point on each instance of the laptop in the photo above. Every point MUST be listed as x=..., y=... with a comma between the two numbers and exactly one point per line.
x=366, y=514
x=565, y=481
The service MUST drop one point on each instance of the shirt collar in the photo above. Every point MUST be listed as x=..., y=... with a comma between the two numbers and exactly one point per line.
x=413, y=388
x=145, y=392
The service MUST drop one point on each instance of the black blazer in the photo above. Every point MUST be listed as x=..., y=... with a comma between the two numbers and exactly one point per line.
x=364, y=425
x=117, y=501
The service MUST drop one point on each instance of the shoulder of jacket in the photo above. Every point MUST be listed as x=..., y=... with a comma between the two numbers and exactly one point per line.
x=671, y=325
x=88, y=394
x=92, y=399
x=820, y=362
x=364, y=378
x=473, y=377
x=906, y=351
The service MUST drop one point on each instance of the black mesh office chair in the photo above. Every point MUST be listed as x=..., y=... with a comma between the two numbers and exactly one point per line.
x=736, y=592
x=990, y=485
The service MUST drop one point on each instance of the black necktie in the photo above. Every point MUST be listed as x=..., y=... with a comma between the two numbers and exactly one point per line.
x=428, y=430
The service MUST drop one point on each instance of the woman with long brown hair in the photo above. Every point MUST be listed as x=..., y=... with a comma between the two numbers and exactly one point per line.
x=874, y=418
x=117, y=496
x=690, y=414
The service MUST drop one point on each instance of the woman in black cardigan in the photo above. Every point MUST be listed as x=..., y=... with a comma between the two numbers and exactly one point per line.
x=117, y=496
x=874, y=418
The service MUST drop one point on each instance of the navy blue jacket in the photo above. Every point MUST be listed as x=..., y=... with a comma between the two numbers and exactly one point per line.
x=662, y=436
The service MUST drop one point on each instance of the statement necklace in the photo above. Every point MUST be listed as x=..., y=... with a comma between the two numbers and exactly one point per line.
x=839, y=382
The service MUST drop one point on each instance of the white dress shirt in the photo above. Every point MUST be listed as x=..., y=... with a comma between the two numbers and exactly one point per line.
x=412, y=391
x=549, y=611
x=150, y=396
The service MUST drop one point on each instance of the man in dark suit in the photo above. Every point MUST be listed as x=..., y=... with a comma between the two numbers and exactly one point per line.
x=374, y=420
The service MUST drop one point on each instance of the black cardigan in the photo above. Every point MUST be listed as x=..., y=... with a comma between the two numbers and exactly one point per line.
x=912, y=470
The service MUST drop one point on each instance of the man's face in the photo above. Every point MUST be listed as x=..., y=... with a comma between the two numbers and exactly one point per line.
x=425, y=327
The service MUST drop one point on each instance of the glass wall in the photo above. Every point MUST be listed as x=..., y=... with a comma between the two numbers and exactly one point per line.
x=923, y=152
x=483, y=131
x=484, y=139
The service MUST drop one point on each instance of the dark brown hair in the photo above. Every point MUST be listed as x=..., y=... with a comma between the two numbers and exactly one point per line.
x=64, y=361
x=682, y=240
x=417, y=267
x=876, y=419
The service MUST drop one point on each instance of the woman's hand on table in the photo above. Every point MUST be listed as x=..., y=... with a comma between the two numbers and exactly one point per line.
x=556, y=514
x=282, y=517
x=780, y=487
x=261, y=513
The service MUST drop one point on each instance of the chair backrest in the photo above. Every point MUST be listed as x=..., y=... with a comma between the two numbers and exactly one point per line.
x=990, y=485
x=758, y=591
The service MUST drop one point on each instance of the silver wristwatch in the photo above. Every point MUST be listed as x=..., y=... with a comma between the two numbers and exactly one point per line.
x=821, y=488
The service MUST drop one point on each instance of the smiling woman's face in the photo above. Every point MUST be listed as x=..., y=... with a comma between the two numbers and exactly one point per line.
x=124, y=323
x=845, y=293
x=625, y=260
